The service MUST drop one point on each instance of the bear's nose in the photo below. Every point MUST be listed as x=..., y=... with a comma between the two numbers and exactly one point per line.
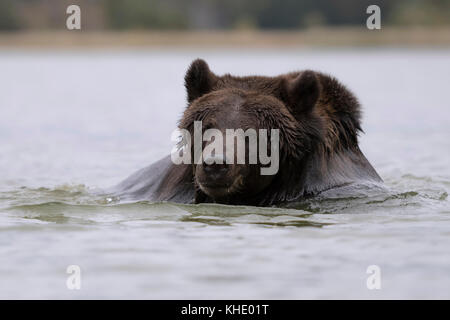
x=216, y=166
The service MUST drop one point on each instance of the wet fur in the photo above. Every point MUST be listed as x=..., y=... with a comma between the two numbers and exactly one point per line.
x=318, y=138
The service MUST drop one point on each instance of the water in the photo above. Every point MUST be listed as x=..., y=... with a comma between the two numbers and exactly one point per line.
x=72, y=122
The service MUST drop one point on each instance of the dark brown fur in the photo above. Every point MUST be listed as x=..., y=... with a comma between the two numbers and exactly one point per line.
x=319, y=122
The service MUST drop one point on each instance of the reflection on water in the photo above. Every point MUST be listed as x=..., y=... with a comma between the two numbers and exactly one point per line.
x=78, y=206
x=59, y=145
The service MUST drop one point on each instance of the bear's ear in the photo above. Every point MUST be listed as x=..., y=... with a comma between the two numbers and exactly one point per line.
x=301, y=93
x=199, y=80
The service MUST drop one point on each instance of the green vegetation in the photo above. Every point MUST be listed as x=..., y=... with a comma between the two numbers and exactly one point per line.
x=219, y=14
x=140, y=14
x=8, y=15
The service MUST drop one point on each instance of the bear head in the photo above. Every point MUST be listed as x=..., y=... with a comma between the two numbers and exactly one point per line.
x=250, y=105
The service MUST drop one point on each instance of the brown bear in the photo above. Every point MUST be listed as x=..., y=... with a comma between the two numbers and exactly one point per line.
x=318, y=120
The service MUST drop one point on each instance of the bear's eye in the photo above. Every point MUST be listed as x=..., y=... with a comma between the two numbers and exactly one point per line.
x=207, y=126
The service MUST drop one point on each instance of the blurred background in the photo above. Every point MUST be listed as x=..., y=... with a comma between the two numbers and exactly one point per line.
x=218, y=14
x=83, y=109
x=303, y=22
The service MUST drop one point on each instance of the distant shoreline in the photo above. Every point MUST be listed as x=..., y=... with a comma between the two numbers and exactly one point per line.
x=319, y=37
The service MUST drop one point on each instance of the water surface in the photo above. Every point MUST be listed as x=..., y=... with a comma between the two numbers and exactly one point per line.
x=72, y=122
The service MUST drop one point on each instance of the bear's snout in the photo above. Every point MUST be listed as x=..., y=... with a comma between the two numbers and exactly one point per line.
x=214, y=172
x=216, y=167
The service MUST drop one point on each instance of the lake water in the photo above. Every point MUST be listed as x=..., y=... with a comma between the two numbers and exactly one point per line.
x=71, y=122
